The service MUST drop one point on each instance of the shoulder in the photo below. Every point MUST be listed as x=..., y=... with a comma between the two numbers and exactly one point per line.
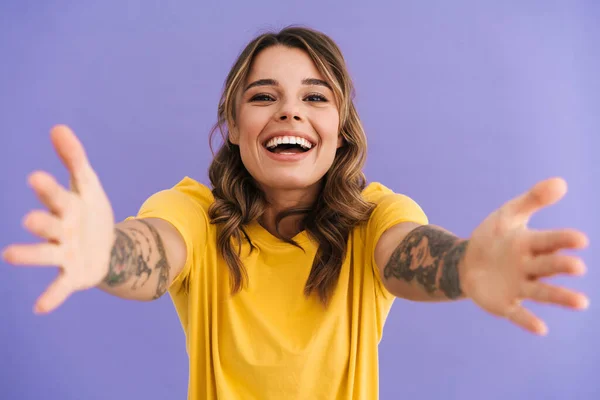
x=374, y=192
x=195, y=192
x=185, y=201
x=392, y=207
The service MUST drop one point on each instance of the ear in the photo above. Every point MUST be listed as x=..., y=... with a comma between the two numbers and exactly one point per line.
x=340, y=142
x=234, y=137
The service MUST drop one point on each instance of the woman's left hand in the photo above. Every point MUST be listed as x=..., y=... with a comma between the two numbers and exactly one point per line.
x=505, y=261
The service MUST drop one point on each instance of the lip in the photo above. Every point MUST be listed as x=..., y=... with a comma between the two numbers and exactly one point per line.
x=289, y=133
x=291, y=157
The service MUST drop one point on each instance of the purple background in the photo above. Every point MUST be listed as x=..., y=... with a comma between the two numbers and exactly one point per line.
x=466, y=104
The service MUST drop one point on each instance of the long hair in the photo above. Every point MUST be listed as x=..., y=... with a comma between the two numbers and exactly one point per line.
x=338, y=208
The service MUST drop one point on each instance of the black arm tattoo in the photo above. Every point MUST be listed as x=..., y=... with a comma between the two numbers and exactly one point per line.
x=421, y=256
x=127, y=259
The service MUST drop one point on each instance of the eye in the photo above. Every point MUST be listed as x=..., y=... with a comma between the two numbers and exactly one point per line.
x=316, y=97
x=262, y=97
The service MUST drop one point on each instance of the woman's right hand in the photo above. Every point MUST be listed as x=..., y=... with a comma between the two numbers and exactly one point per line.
x=78, y=226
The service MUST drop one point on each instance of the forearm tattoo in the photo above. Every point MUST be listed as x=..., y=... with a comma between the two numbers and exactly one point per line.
x=130, y=259
x=430, y=257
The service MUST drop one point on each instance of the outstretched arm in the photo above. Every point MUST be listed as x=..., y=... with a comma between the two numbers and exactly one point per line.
x=502, y=263
x=146, y=256
x=136, y=259
x=421, y=262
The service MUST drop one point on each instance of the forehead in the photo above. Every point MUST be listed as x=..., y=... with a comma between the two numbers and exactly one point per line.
x=283, y=64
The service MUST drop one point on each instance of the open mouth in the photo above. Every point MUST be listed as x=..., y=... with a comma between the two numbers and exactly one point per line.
x=288, y=145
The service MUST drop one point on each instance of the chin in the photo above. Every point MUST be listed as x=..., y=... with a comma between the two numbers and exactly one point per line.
x=287, y=182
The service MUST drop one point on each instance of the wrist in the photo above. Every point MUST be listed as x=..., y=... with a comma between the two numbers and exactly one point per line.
x=451, y=281
x=465, y=270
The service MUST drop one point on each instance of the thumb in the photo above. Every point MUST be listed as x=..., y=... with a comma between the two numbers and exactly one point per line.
x=72, y=154
x=55, y=295
x=542, y=194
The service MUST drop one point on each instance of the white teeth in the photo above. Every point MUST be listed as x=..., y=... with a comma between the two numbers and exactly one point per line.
x=274, y=142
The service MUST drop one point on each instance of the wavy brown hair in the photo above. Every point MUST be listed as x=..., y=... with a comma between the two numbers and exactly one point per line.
x=338, y=208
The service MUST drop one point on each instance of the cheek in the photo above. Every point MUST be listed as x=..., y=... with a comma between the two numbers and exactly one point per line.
x=251, y=122
x=327, y=126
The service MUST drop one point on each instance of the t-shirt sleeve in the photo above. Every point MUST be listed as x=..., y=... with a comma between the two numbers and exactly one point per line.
x=180, y=208
x=392, y=208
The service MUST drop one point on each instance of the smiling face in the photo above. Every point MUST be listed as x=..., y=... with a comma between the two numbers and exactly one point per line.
x=287, y=121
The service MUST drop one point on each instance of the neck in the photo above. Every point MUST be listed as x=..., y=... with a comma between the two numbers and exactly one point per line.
x=279, y=200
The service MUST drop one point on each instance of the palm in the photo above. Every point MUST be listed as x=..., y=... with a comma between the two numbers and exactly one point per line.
x=505, y=261
x=78, y=225
x=88, y=220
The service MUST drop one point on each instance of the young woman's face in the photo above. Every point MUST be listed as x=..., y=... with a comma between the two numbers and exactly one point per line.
x=287, y=121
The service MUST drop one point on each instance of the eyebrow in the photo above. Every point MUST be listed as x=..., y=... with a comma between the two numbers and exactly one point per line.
x=273, y=82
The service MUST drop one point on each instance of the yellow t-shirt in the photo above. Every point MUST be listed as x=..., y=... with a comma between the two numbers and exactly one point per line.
x=270, y=342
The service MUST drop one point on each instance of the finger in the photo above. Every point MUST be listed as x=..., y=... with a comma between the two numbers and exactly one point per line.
x=39, y=254
x=73, y=155
x=524, y=318
x=55, y=295
x=551, y=241
x=550, y=294
x=51, y=193
x=43, y=224
x=552, y=264
x=542, y=194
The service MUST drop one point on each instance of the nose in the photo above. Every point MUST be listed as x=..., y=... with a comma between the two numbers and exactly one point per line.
x=288, y=112
x=285, y=117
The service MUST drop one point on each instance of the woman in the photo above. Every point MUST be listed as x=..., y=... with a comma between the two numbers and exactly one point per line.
x=284, y=272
